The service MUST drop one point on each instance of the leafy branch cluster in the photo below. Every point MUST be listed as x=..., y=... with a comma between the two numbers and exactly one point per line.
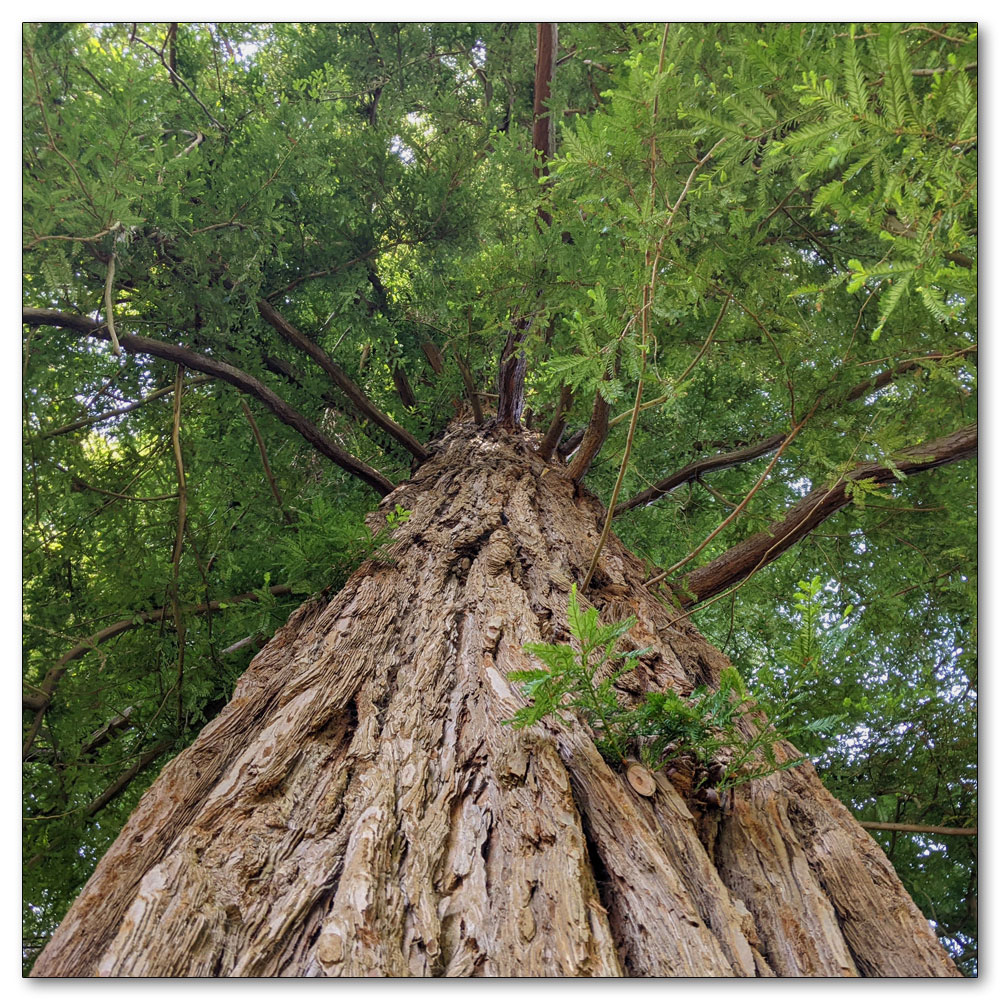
x=721, y=731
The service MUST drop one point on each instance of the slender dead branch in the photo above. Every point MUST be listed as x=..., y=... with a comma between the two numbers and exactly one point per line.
x=623, y=467
x=110, y=414
x=68, y=239
x=470, y=388
x=764, y=547
x=199, y=138
x=792, y=434
x=687, y=371
x=40, y=699
x=257, y=640
x=176, y=78
x=125, y=779
x=648, y=291
x=275, y=492
x=112, y=791
x=346, y=385
x=690, y=180
x=172, y=52
x=175, y=440
x=227, y=373
x=79, y=484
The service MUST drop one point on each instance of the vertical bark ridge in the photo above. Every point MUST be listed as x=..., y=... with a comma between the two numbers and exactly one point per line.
x=361, y=809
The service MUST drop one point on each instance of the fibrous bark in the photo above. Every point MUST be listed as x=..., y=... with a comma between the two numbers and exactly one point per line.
x=360, y=808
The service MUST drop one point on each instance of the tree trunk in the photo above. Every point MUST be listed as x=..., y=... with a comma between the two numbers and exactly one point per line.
x=359, y=808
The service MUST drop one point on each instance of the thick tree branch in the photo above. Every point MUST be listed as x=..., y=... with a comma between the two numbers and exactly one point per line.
x=346, y=385
x=103, y=735
x=543, y=129
x=403, y=388
x=569, y=446
x=695, y=470
x=113, y=790
x=884, y=378
x=227, y=373
x=434, y=357
x=943, y=831
x=728, y=460
x=764, y=547
x=593, y=439
x=513, y=359
x=125, y=778
x=40, y=699
x=510, y=381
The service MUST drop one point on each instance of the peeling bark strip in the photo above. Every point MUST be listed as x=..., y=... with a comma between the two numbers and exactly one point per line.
x=227, y=373
x=359, y=808
x=764, y=547
x=348, y=387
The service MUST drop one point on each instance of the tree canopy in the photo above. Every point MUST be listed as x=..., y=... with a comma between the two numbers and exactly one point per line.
x=727, y=272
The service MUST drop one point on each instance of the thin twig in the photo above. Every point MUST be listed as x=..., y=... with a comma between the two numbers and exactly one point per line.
x=70, y=239
x=52, y=142
x=176, y=78
x=687, y=371
x=197, y=141
x=110, y=414
x=275, y=492
x=739, y=507
x=647, y=296
x=687, y=184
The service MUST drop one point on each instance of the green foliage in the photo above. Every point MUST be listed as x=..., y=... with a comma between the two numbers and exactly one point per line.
x=572, y=680
x=722, y=727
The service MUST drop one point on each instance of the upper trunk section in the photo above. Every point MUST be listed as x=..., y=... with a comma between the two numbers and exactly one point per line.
x=360, y=808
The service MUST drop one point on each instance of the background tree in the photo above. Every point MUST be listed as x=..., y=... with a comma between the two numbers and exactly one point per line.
x=266, y=264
